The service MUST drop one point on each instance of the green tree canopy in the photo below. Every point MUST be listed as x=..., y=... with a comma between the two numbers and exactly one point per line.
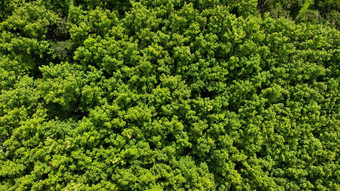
x=169, y=95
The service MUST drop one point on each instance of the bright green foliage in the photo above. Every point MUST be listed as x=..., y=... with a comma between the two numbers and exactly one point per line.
x=168, y=95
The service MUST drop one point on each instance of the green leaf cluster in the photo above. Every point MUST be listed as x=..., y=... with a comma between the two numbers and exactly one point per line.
x=168, y=95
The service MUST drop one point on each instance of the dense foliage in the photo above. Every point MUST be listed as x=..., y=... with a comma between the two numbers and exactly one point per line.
x=311, y=11
x=168, y=95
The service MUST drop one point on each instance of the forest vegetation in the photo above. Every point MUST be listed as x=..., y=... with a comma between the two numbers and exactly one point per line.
x=169, y=95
